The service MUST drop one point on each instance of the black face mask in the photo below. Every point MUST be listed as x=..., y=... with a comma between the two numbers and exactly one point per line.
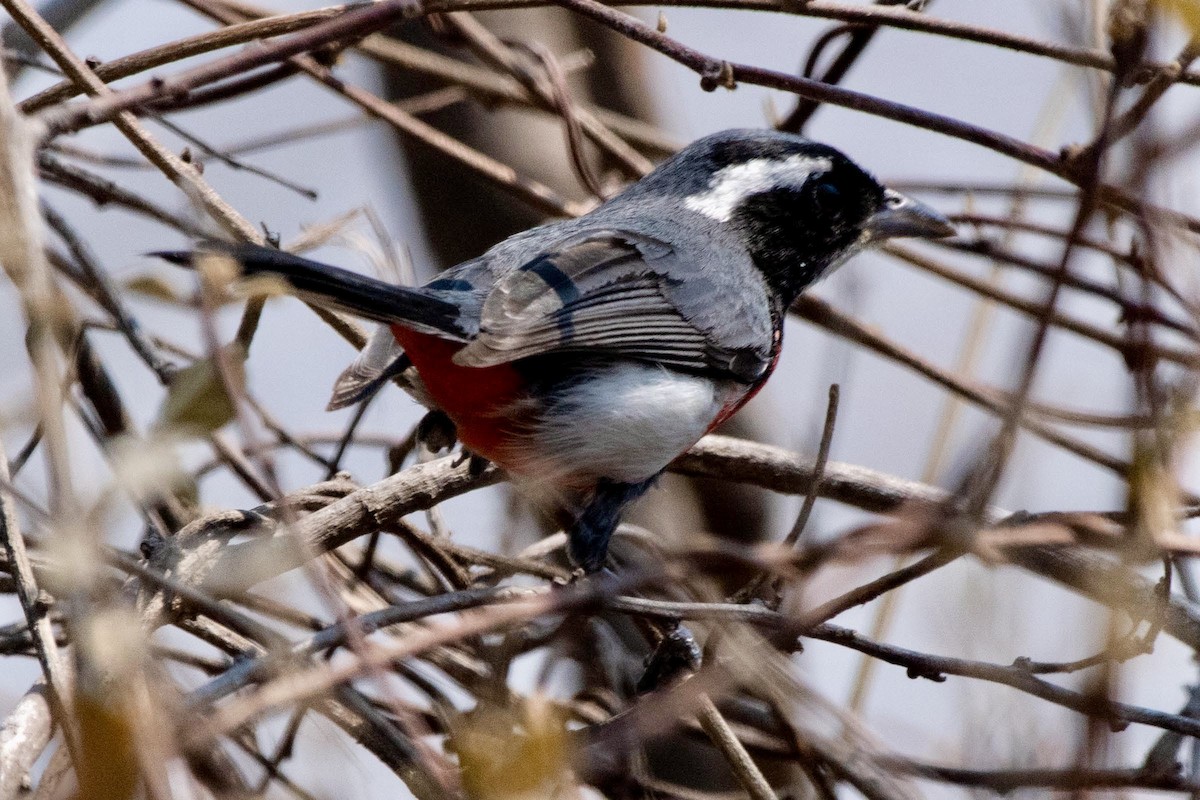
x=796, y=234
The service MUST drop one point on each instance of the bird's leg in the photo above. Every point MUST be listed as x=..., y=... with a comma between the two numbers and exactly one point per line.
x=436, y=431
x=476, y=464
x=587, y=540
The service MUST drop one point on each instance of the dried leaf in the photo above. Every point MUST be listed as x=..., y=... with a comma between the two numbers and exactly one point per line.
x=105, y=709
x=1188, y=12
x=108, y=765
x=154, y=287
x=510, y=753
x=197, y=400
x=321, y=233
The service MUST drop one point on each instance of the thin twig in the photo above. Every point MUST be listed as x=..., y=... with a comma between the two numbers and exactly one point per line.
x=722, y=735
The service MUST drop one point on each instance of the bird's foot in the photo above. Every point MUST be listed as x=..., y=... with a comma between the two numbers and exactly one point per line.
x=476, y=464
x=436, y=431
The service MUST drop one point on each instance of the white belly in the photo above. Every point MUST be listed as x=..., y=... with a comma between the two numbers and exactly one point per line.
x=625, y=423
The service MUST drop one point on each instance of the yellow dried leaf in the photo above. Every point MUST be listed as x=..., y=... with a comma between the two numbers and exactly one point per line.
x=197, y=401
x=111, y=644
x=154, y=287
x=511, y=754
x=108, y=768
x=1188, y=12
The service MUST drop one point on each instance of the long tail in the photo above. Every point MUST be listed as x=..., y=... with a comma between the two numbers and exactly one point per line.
x=332, y=286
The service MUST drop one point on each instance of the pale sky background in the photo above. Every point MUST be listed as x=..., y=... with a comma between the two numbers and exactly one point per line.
x=887, y=414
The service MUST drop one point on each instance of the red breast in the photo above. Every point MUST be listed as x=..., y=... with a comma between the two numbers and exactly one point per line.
x=478, y=399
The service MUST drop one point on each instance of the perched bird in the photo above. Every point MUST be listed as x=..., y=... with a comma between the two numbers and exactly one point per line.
x=583, y=356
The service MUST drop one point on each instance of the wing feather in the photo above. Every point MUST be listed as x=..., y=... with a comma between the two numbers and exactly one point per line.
x=608, y=294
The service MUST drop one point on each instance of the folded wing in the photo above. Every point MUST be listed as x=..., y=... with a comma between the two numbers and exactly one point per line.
x=619, y=294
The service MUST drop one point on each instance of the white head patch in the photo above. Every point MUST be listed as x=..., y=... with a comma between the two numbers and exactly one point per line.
x=733, y=184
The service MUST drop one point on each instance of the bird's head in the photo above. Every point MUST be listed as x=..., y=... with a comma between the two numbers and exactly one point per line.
x=801, y=208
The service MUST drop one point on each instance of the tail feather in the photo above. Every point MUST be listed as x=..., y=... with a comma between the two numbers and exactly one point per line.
x=332, y=286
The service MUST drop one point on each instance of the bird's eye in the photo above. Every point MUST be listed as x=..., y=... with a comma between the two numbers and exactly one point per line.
x=828, y=198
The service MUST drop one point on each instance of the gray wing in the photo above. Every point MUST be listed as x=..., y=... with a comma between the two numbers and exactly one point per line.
x=367, y=371
x=381, y=361
x=623, y=294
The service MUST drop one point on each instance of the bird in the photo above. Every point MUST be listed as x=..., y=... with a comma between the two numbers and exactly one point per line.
x=584, y=355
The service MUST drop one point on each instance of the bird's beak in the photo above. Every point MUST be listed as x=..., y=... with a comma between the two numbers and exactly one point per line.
x=903, y=216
